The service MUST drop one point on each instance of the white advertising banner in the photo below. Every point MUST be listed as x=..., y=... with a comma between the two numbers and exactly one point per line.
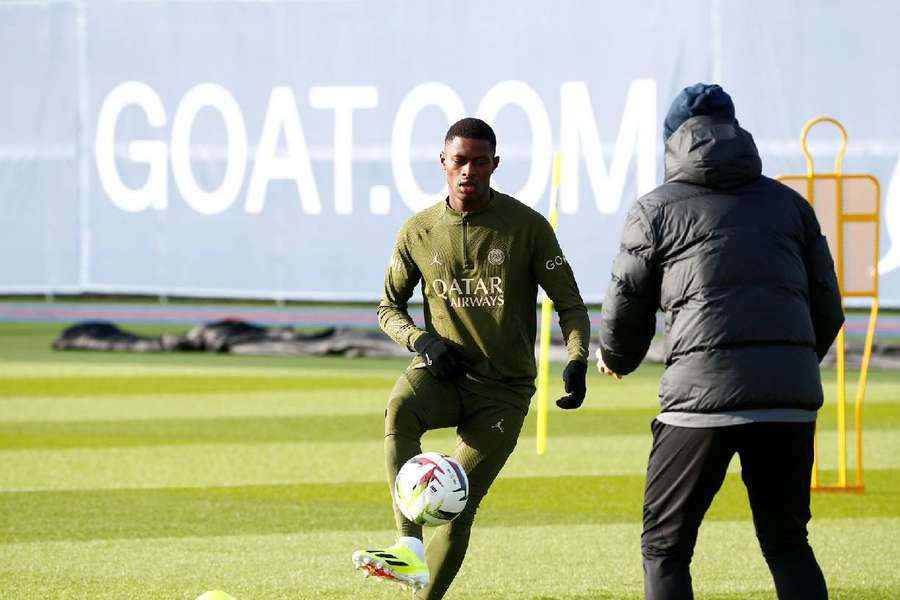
x=273, y=149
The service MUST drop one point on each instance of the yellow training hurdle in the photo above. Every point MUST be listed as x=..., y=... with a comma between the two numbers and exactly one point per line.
x=848, y=208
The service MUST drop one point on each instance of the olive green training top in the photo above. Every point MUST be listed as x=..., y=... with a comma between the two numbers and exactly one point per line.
x=480, y=273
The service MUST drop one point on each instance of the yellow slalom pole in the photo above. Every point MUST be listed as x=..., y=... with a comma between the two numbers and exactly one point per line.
x=543, y=381
x=861, y=390
x=841, y=409
x=841, y=338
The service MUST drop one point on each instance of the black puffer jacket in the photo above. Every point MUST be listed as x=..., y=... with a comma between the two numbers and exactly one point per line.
x=739, y=266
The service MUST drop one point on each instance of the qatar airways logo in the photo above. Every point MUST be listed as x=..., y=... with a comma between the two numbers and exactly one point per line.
x=470, y=291
x=165, y=151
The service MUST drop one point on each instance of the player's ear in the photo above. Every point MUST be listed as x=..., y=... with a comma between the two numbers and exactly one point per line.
x=496, y=163
x=443, y=158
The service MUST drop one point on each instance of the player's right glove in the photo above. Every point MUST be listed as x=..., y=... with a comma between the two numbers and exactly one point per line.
x=574, y=379
x=441, y=359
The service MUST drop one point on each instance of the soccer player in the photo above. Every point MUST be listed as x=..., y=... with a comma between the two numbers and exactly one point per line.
x=479, y=256
x=739, y=266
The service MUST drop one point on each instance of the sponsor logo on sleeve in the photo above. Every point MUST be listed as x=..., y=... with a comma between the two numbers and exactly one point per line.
x=556, y=261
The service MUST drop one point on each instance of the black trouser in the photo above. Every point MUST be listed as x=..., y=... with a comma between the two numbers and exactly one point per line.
x=687, y=467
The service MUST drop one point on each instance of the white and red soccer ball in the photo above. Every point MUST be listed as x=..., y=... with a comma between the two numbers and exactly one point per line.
x=431, y=489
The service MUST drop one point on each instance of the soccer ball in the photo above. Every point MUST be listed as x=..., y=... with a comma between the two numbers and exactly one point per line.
x=431, y=489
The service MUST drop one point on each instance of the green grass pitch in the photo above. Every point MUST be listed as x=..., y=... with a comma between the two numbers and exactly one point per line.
x=162, y=476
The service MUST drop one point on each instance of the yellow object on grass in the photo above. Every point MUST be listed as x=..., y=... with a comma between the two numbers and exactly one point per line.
x=546, y=312
x=848, y=209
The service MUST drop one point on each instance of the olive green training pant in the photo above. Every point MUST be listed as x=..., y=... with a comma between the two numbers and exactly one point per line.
x=487, y=430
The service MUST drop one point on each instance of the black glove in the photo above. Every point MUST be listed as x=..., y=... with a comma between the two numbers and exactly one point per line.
x=574, y=378
x=441, y=359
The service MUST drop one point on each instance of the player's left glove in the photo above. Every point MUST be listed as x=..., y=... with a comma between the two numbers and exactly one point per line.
x=574, y=378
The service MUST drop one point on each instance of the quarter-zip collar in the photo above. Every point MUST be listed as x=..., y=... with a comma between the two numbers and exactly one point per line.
x=454, y=216
x=464, y=220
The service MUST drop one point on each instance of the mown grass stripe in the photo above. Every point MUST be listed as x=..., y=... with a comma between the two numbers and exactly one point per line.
x=237, y=464
x=307, y=428
x=336, y=403
x=191, y=512
x=327, y=428
x=49, y=409
x=141, y=385
x=123, y=434
x=336, y=462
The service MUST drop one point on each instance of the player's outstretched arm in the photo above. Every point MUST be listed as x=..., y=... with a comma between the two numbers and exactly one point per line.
x=400, y=281
x=628, y=316
x=555, y=276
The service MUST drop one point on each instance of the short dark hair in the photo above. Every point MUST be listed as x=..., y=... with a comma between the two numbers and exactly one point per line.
x=474, y=129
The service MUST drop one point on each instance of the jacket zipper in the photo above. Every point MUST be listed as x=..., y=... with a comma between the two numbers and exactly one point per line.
x=465, y=241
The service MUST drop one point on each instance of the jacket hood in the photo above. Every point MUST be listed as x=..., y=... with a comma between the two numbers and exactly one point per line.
x=713, y=152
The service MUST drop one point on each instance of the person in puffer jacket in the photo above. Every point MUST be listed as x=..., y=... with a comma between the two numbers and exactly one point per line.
x=738, y=265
